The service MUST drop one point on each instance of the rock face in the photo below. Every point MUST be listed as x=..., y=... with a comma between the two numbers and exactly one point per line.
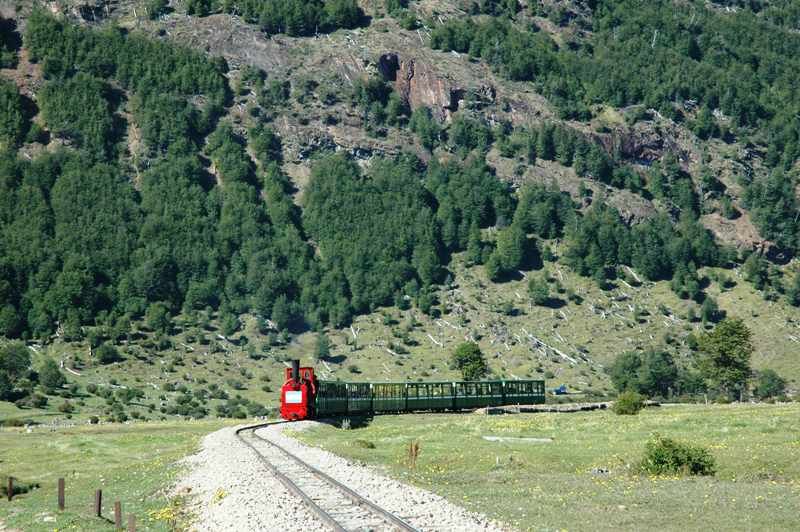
x=419, y=85
x=632, y=208
x=641, y=143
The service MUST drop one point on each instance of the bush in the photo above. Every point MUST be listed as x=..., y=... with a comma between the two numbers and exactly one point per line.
x=107, y=354
x=66, y=407
x=50, y=376
x=364, y=444
x=19, y=487
x=235, y=384
x=628, y=403
x=769, y=384
x=94, y=420
x=469, y=360
x=665, y=455
x=34, y=400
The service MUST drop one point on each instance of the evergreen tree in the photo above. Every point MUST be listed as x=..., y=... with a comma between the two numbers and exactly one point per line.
x=514, y=251
x=726, y=355
x=15, y=360
x=50, y=376
x=538, y=290
x=469, y=360
x=793, y=292
x=158, y=318
x=709, y=311
x=545, y=144
x=12, y=119
x=658, y=374
x=427, y=130
x=755, y=271
x=624, y=371
x=475, y=247
x=107, y=354
x=322, y=348
x=769, y=384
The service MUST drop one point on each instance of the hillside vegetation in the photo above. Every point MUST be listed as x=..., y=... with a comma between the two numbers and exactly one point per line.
x=560, y=182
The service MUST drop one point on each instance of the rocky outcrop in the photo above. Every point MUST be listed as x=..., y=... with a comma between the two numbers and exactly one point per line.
x=641, y=143
x=632, y=208
x=419, y=85
x=743, y=235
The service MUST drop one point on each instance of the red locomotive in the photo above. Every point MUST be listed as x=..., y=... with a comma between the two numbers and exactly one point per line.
x=297, y=392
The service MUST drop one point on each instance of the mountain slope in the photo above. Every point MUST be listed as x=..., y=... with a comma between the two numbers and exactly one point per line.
x=182, y=166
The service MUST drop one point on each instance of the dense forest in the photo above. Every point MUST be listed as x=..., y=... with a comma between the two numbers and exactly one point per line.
x=292, y=17
x=210, y=219
x=652, y=54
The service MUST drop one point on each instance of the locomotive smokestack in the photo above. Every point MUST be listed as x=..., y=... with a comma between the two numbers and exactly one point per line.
x=295, y=370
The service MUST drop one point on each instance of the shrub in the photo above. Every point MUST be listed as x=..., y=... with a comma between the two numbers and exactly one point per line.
x=665, y=455
x=34, y=400
x=256, y=410
x=107, y=354
x=50, y=376
x=364, y=444
x=628, y=403
x=235, y=384
x=94, y=420
x=469, y=359
x=66, y=407
x=19, y=488
x=769, y=384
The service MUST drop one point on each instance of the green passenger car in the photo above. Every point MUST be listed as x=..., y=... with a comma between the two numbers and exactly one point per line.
x=387, y=397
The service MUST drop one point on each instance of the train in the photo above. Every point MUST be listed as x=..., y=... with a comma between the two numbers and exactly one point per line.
x=303, y=396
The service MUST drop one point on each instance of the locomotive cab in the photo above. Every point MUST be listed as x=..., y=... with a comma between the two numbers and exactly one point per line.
x=297, y=393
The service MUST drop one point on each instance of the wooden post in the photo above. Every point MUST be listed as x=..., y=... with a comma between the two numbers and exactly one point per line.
x=131, y=523
x=98, y=503
x=10, y=487
x=118, y=515
x=61, y=494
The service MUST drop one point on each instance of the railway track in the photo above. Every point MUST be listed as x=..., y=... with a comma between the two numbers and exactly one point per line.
x=332, y=502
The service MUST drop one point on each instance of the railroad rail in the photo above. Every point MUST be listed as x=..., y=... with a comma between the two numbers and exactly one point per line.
x=334, y=504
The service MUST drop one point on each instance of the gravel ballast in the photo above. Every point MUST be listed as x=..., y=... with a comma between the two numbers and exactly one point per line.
x=231, y=489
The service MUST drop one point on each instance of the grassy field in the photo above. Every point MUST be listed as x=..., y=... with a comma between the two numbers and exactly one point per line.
x=587, y=478
x=132, y=464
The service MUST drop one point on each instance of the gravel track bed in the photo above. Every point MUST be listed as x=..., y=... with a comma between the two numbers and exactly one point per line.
x=418, y=507
x=230, y=490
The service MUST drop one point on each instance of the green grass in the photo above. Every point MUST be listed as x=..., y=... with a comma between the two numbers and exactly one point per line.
x=133, y=464
x=559, y=485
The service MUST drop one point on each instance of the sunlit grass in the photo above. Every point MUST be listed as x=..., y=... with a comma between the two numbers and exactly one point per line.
x=133, y=464
x=588, y=478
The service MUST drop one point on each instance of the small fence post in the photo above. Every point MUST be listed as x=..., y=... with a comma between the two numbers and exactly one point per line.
x=131, y=523
x=118, y=515
x=10, y=487
x=98, y=503
x=61, y=494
